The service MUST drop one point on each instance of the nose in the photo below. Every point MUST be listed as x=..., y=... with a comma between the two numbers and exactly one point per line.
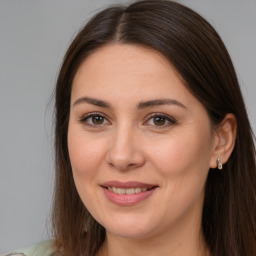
x=125, y=150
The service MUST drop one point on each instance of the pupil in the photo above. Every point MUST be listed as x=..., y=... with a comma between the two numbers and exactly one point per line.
x=97, y=119
x=159, y=121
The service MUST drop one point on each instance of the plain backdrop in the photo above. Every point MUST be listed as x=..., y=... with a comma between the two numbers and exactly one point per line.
x=34, y=35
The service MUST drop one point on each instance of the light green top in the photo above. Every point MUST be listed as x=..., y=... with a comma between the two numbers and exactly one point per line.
x=41, y=249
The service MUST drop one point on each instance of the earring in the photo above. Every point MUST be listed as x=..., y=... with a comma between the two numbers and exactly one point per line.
x=219, y=164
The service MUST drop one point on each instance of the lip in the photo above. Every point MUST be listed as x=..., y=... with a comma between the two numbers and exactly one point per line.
x=128, y=199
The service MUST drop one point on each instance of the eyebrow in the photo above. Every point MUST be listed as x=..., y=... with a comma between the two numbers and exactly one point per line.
x=93, y=101
x=141, y=105
x=159, y=102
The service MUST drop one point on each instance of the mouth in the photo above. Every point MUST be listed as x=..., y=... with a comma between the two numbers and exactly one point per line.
x=127, y=193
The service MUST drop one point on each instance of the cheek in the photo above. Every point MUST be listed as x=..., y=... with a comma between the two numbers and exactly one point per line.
x=183, y=164
x=183, y=155
x=85, y=154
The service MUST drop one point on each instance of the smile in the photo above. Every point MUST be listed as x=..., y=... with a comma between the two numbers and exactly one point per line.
x=127, y=191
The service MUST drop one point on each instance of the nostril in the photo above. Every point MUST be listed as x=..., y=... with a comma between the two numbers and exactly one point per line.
x=124, y=156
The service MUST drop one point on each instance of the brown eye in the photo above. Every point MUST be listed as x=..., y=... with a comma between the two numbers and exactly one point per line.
x=98, y=120
x=94, y=120
x=159, y=120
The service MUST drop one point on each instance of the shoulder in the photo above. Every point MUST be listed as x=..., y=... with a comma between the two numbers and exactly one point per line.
x=45, y=248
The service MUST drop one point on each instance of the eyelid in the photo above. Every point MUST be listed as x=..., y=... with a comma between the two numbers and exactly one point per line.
x=93, y=114
x=171, y=120
x=168, y=118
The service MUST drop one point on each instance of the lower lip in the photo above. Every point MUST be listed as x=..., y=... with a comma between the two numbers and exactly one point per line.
x=127, y=200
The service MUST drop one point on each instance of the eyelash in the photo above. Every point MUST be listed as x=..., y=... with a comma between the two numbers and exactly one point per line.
x=85, y=118
x=168, y=121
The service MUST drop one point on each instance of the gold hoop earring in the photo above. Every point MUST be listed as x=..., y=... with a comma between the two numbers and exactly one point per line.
x=219, y=164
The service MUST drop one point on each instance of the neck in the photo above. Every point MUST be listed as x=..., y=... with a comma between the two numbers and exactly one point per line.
x=141, y=248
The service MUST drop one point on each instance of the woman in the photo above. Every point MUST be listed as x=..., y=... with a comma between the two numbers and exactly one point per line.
x=154, y=150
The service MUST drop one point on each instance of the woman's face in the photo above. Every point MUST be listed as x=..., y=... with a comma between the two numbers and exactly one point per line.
x=140, y=143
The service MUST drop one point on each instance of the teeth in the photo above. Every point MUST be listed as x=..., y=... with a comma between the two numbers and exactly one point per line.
x=120, y=191
x=130, y=191
x=127, y=191
x=138, y=190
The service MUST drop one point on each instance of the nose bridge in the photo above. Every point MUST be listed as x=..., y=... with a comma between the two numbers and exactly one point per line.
x=124, y=153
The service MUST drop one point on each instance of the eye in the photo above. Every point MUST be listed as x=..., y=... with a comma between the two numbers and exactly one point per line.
x=94, y=119
x=160, y=120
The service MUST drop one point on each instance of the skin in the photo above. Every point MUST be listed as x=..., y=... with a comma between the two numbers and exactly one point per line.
x=125, y=143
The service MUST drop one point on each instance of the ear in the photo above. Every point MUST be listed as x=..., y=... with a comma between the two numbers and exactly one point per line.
x=224, y=140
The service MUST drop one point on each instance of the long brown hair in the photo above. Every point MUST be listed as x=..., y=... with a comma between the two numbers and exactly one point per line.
x=197, y=52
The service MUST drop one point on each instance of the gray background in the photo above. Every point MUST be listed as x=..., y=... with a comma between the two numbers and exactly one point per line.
x=34, y=35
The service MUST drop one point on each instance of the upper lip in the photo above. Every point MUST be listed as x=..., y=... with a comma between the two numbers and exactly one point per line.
x=127, y=184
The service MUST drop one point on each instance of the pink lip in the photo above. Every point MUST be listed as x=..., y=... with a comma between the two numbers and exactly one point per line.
x=127, y=200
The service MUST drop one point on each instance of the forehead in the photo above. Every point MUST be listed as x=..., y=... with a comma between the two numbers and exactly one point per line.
x=127, y=54
x=128, y=73
x=124, y=62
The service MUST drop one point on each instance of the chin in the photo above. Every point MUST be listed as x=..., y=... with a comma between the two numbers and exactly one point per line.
x=129, y=228
x=130, y=232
